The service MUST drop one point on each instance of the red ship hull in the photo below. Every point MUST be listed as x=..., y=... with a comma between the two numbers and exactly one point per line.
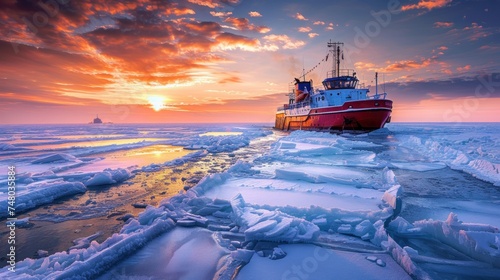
x=363, y=115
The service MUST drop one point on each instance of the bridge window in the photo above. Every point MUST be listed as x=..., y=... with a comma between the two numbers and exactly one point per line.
x=340, y=83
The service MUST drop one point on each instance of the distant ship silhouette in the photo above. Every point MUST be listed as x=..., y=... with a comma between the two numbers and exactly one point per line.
x=97, y=119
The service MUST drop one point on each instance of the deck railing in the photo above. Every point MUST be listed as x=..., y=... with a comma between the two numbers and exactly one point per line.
x=343, y=72
x=378, y=96
x=308, y=103
x=294, y=106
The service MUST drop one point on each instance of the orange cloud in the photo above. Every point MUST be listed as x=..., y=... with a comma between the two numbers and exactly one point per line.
x=319, y=23
x=305, y=29
x=299, y=16
x=230, y=79
x=41, y=99
x=464, y=69
x=82, y=59
x=220, y=14
x=312, y=35
x=264, y=29
x=473, y=32
x=285, y=41
x=206, y=3
x=407, y=64
x=443, y=24
x=396, y=65
x=254, y=14
x=179, y=11
x=489, y=48
x=427, y=4
x=365, y=66
x=228, y=41
x=244, y=24
x=477, y=31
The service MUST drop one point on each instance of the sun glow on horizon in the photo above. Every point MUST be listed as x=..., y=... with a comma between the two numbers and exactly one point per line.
x=157, y=102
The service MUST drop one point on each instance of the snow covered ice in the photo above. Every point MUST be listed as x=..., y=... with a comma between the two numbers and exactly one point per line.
x=407, y=201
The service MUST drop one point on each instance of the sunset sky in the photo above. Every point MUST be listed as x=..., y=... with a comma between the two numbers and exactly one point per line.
x=64, y=61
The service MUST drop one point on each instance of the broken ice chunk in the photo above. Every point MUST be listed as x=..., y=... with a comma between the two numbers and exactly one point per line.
x=345, y=229
x=277, y=254
x=261, y=227
x=380, y=263
x=242, y=255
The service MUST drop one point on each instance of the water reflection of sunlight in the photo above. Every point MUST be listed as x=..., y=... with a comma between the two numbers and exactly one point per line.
x=144, y=156
x=96, y=143
x=157, y=153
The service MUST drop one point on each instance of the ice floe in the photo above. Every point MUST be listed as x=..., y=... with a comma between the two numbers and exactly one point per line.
x=41, y=193
x=463, y=151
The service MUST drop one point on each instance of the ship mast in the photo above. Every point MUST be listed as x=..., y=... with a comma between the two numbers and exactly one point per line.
x=335, y=50
x=303, y=72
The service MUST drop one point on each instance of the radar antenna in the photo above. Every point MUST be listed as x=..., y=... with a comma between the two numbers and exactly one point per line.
x=337, y=55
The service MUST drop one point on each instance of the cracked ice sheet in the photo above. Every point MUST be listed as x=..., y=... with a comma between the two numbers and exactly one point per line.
x=305, y=261
x=477, y=211
x=279, y=193
x=179, y=254
x=466, y=148
x=321, y=167
x=295, y=152
x=418, y=166
x=322, y=174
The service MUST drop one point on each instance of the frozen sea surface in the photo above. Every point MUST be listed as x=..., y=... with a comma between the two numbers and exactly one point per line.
x=94, y=184
x=408, y=201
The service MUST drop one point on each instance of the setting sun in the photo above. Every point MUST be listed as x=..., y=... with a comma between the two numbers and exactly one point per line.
x=157, y=102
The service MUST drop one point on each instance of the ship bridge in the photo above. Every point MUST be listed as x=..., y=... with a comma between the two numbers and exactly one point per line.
x=339, y=89
x=342, y=82
x=346, y=80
